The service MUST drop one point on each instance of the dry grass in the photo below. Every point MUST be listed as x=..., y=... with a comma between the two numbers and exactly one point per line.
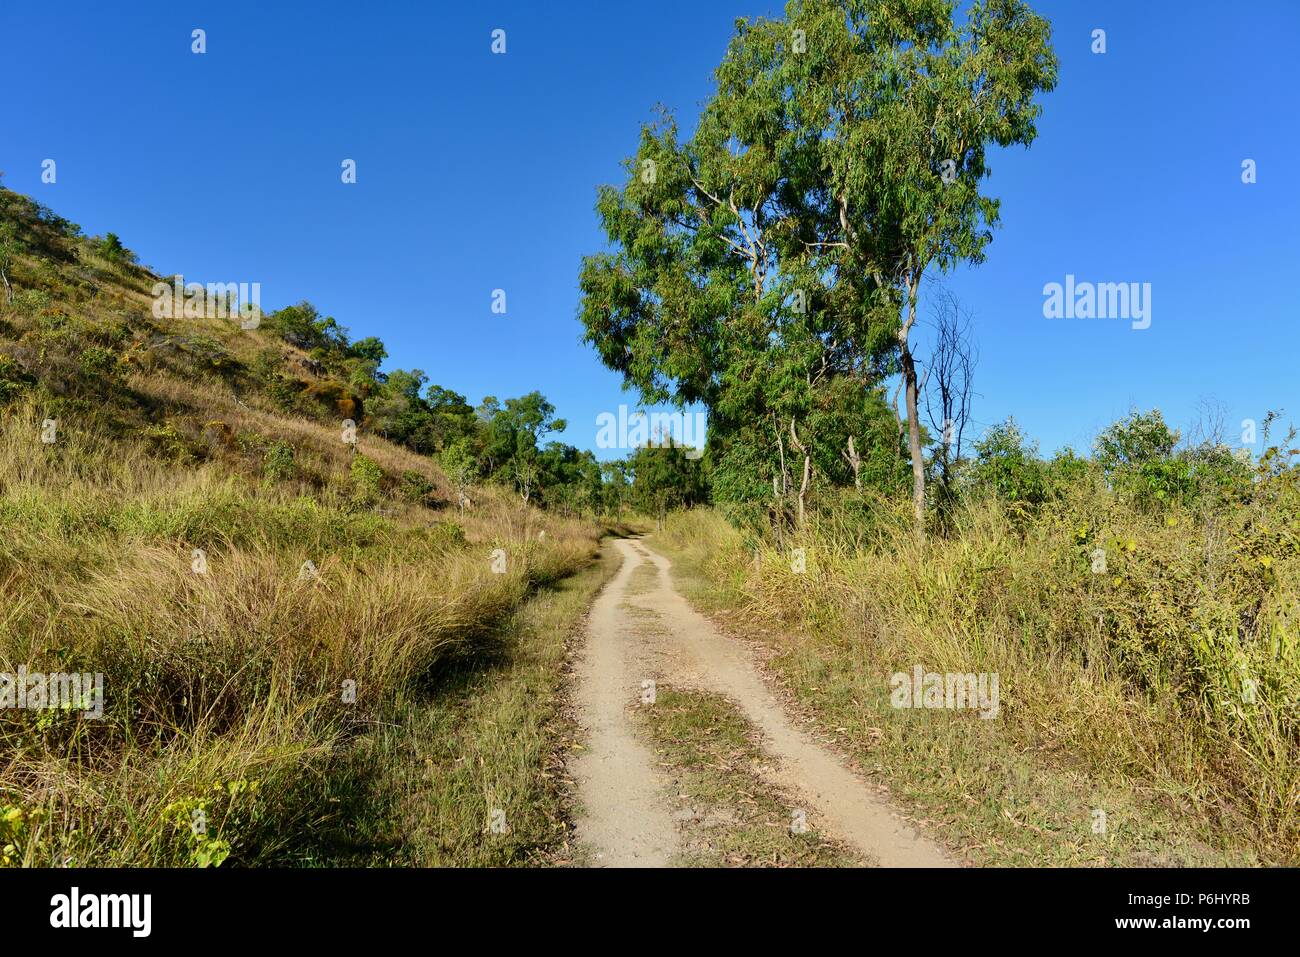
x=1123, y=692
x=236, y=674
x=727, y=807
x=162, y=540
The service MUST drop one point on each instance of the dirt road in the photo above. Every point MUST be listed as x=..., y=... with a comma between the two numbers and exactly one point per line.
x=641, y=629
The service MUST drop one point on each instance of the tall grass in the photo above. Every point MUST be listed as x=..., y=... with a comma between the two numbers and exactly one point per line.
x=275, y=610
x=1175, y=672
x=240, y=691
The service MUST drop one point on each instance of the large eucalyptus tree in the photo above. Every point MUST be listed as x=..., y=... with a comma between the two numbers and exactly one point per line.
x=782, y=247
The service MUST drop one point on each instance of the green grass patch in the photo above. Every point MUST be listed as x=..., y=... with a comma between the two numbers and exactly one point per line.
x=730, y=814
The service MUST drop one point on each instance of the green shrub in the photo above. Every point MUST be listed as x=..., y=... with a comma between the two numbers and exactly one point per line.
x=111, y=248
x=97, y=363
x=284, y=392
x=1135, y=440
x=167, y=442
x=366, y=479
x=1007, y=466
x=1140, y=459
x=267, y=365
x=31, y=302
x=277, y=462
x=415, y=486
x=13, y=378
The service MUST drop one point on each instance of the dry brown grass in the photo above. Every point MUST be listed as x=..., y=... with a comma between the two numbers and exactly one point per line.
x=225, y=690
x=1120, y=692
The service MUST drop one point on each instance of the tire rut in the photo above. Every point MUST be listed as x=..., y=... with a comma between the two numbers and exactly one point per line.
x=626, y=822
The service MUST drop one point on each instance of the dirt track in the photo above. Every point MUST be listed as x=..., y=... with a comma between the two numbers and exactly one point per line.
x=654, y=634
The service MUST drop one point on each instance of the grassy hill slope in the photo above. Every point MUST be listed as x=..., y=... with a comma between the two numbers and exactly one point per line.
x=257, y=709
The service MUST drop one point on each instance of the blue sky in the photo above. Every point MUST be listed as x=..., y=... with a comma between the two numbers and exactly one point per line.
x=478, y=171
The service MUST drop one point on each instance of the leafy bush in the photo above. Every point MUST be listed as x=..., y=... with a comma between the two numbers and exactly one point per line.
x=1140, y=459
x=1007, y=466
x=303, y=326
x=1136, y=440
x=31, y=302
x=111, y=248
x=13, y=378
x=415, y=487
x=167, y=442
x=1137, y=456
x=266, y=365
x=97, y=363
x=366, y=479
x=277, y=461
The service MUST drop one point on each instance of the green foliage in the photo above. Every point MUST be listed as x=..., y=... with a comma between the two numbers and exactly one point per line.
x=1067, y=468
x=111, y=248
x=1137, y=456
x=1138, y=439
x=32, y=302
x=10, y=246
x=615, y=487
x=277, y=461
x=1007, y=466
x=284, y=392
x=1140, y=458
x=302, y=325
x=424, y=417
x=370, y=349
x=18, y=827
x=415, y=487
x=211, y=826
x=664, y=479
x=444, y=536
x=266, y=365
x=97, y=362
x=366, y=478
x=759, y=267
x=571, y=479
x=168, y=442
x=460, y=464
x=13, y=378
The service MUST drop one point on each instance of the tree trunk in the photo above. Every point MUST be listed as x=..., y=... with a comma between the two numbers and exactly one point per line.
x=780, y=451
x=913, y=422
x=9, y=290
x=807, y=470
x=803, y=487
x=855, y=463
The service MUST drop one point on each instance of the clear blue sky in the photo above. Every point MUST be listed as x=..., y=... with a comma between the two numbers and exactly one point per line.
x=478, y=172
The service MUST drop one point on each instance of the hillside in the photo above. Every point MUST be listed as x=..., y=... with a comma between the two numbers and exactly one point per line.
x=296, y=633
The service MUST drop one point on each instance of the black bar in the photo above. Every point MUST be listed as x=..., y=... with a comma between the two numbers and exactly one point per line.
x=945, y=907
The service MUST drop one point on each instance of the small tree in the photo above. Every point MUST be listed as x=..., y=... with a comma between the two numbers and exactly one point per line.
x=1137, y=455
x=1137, y=439
x=524, y=470
x=665, y=479
x=614, y=477
x=948, y=392
x=111, y=248
x=1007, y=466
x=461, y=466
